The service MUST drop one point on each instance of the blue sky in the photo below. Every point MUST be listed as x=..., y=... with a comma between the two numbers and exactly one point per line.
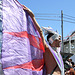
x=52, y=8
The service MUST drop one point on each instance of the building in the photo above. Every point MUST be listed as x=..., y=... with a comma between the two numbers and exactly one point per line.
x=69, y=44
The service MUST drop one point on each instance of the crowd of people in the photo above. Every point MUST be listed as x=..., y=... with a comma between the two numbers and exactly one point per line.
x=71, y=70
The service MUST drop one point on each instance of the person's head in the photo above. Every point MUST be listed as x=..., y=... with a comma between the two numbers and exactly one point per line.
x=70, y=60
x=52, y=37
x=54, y=40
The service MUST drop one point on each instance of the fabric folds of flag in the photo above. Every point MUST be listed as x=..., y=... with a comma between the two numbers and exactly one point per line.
x=22, y=47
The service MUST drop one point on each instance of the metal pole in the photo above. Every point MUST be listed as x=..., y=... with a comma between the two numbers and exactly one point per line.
x=62, y=30
x=1, y=71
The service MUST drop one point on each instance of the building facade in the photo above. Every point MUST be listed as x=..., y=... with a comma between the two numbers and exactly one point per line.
x=69, y=44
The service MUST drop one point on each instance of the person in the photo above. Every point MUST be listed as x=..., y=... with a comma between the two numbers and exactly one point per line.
x=50, y=62
x=71, y=70
x=53, y=39
x=74, y=67
x=69, y=62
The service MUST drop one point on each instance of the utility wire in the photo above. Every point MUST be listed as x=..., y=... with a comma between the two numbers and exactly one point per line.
x=69, y=16
x=45, y=14
x=36, y=14
x=68, y=21
x=48, y=15
x=56, y=17
x=47, y=19
x=54, y=20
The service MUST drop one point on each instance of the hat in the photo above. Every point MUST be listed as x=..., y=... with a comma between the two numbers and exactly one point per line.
x=48, y=30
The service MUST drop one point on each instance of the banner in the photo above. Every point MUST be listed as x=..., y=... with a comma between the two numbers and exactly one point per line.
x=22, y=47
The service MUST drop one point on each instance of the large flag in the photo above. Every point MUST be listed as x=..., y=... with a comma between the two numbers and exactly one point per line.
x=22, y=47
